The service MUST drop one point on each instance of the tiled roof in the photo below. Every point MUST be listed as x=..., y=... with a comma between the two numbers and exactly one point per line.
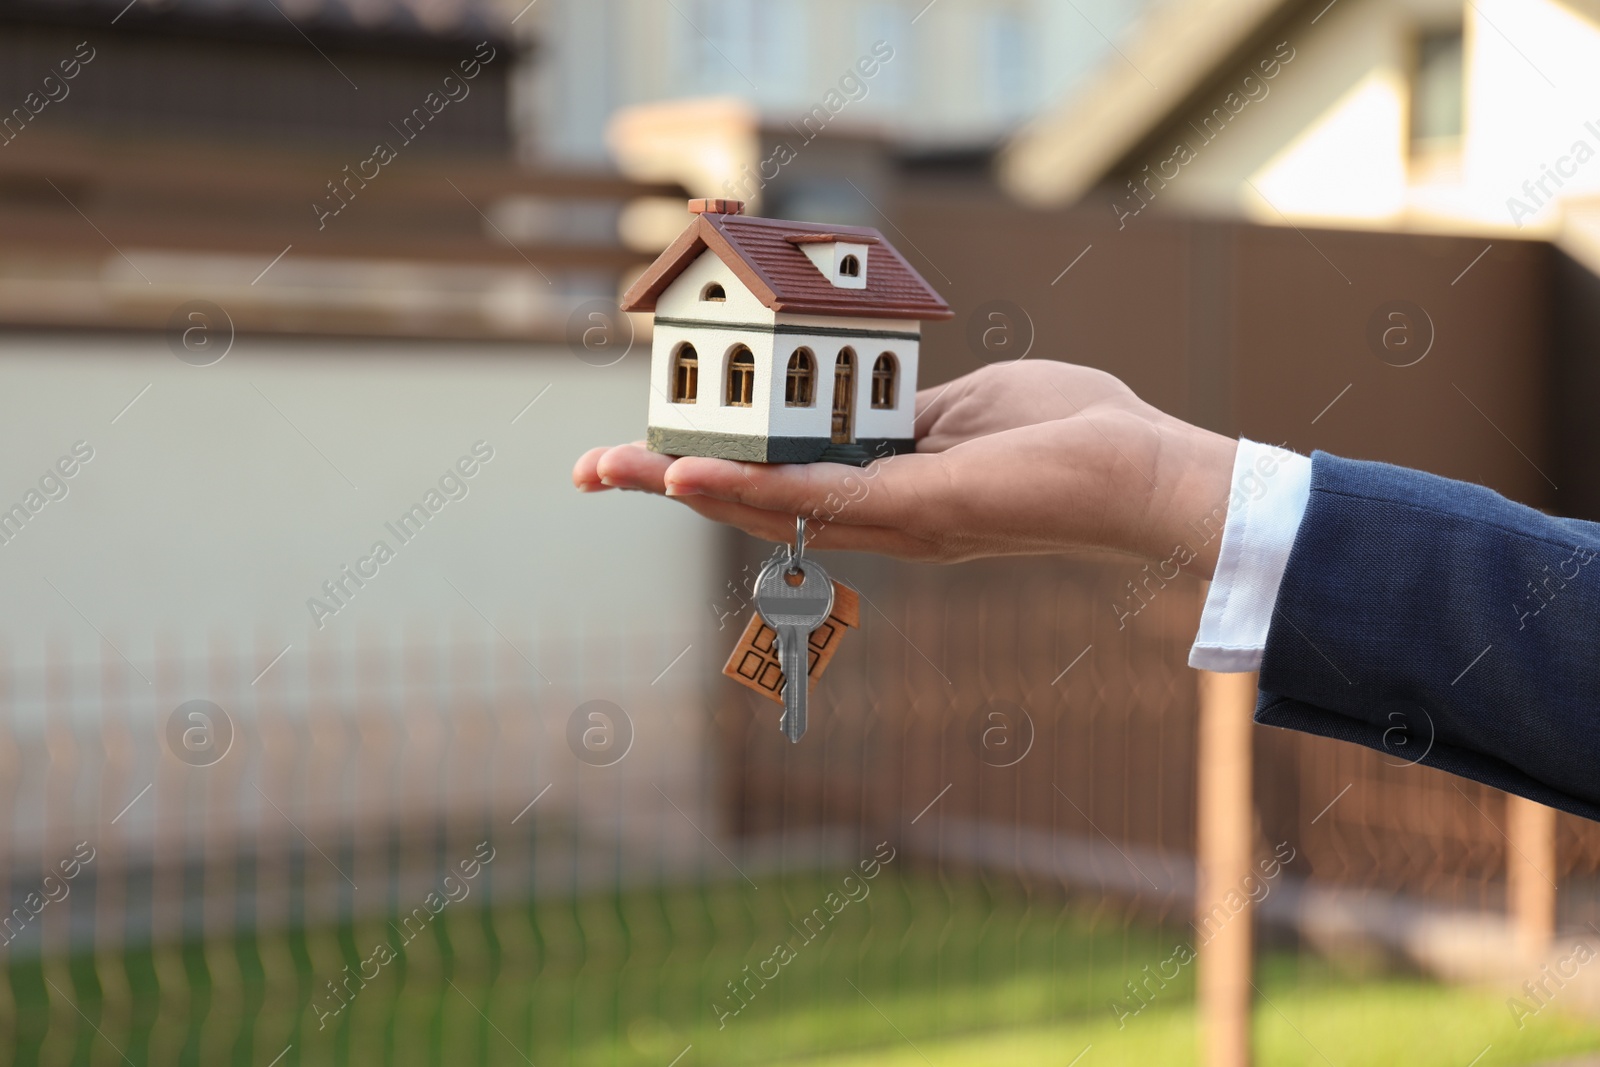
x=783, y=277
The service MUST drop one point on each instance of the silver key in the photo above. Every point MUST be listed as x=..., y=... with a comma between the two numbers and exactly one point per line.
x=794, y=611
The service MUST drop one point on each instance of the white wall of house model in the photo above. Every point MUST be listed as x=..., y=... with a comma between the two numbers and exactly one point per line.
x=718, y=328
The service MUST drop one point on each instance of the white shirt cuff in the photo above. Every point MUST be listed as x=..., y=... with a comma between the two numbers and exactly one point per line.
x=1271, y=487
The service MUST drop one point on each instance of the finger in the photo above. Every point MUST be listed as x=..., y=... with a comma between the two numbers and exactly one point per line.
x=633, y=467
x=585, y=473
x=932, y=401
x=882, y=494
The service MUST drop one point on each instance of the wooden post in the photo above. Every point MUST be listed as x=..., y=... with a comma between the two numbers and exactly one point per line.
x=1226, y=846
x=1531, y=875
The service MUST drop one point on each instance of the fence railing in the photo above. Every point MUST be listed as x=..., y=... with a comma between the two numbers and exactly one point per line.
x=1059, y=733
x=204, y=864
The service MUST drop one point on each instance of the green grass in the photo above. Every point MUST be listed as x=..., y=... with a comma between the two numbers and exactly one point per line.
x=922, y=971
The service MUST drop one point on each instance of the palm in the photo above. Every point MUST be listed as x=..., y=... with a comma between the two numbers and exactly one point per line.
x=1025, y=457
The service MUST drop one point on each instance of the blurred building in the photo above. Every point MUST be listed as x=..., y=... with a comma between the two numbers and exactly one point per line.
x=1422, y=116
x=330, y=167
x=803, y=109
x=962, y=72
x=296, y=76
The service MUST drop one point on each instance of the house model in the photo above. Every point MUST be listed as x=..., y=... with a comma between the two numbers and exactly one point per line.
x=782, y=342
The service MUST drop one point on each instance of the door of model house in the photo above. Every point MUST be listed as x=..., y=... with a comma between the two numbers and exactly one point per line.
x=844, y=397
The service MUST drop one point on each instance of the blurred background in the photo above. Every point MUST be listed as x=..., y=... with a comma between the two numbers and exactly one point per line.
x=274, y=272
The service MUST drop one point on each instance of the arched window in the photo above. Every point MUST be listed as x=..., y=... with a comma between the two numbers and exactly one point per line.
x=883, y=375
x=714, y=291
x=741, y=377
x=685, y=374
x=800, y=388
x=850, y=267
x=844, y=394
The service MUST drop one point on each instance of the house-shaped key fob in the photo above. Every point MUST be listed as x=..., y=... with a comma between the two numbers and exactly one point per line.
x=782, y=342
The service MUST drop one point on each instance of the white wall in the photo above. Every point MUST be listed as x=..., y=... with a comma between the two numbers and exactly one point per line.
x=1529, y=99
x=869, y=423
x=1328, y=145
x=204, y=521
x=709, y=413
x=681, y=299
x=811, y=420
x=204, y=510
x=1327, y=139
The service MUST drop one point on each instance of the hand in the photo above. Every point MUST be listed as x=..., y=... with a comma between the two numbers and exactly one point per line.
x=1017, y=458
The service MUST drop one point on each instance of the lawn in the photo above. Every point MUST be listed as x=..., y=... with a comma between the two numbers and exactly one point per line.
x=918, y=971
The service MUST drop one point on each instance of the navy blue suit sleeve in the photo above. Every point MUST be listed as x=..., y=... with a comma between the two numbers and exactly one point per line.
x=1440, y=623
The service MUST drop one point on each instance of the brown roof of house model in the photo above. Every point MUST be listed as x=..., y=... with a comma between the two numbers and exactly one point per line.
x=765, y=255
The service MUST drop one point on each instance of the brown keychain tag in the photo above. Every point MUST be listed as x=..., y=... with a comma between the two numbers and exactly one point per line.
x=754, y=661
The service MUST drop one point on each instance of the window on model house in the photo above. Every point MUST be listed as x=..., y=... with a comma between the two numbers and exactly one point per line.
x=799, y=389
x=883, y=375
x=714, y=292
x=850, y=267
x=844, y=397
x=741, y=377
x=685, y=374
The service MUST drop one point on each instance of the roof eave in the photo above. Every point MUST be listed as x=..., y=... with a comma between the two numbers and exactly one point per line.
x=926, y=314
x=699, y=236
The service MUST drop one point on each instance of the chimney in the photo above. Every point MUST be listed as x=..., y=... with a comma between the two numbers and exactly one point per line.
x=716, y=206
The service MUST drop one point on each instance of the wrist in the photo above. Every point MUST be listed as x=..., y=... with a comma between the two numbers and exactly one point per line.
x=1186, y=508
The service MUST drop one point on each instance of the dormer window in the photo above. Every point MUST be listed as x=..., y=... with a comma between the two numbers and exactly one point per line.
x=841, y=257
x=714, y=292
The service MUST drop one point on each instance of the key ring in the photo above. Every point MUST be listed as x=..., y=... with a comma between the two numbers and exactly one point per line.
x=798, y=552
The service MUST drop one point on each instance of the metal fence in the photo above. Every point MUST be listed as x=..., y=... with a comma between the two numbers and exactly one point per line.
x=410, y=849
